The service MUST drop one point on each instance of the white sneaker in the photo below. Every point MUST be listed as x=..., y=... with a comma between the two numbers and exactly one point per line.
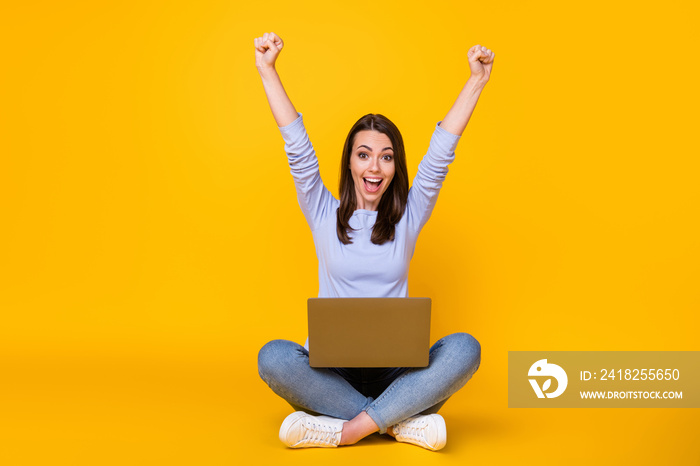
x=427, y=431
x=302, y=430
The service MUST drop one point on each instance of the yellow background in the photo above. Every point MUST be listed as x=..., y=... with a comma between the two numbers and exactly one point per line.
x=151, y=240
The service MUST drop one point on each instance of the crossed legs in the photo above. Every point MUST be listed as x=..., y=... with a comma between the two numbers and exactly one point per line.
x=284, y=366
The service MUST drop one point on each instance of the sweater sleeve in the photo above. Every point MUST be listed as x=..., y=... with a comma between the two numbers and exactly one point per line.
x=315, y=200
x=431, y=173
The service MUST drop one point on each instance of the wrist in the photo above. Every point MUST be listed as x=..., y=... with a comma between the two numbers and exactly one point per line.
x=477, y=81
x=267, y=71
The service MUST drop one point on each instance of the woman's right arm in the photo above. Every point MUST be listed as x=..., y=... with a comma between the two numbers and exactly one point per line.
x=316, y=202
x=267, y=49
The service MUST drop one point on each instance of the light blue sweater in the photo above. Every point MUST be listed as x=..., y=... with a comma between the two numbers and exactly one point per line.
x=364, y=269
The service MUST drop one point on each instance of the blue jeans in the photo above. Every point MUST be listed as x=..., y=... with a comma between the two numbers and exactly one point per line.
x=388, y=395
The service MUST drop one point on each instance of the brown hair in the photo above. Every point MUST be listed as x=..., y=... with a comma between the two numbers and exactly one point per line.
x=393, y=202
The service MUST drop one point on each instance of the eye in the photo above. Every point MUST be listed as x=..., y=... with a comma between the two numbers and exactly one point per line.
x=387, y=157
x=362, y=155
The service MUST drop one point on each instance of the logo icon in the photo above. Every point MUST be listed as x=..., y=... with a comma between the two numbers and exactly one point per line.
x=542, y=369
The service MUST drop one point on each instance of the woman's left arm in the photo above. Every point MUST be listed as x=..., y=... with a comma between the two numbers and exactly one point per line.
x=480, y=64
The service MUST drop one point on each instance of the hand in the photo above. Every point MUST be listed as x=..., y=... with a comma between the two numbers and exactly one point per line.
x=267, y=49
x=480, y=62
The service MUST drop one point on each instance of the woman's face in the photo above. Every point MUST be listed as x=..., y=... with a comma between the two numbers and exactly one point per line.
x=372, y=167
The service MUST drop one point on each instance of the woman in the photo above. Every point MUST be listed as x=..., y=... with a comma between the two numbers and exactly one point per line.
x=364, y=243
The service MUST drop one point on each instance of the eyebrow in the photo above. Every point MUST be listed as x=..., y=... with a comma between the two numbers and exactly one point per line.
x=370, y=149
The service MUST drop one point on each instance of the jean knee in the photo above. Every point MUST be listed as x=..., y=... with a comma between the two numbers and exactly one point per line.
x=469, y=348
x=272, y=355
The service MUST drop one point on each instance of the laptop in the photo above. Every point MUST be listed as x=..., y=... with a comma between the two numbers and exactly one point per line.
x=369, y=332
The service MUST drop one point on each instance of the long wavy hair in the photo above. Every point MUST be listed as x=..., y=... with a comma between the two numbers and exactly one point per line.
x=393, y=202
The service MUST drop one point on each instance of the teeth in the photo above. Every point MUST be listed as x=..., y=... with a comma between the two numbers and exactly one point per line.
x=374, y=180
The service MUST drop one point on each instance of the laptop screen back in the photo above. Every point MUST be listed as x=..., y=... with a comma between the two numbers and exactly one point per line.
x=369, y=332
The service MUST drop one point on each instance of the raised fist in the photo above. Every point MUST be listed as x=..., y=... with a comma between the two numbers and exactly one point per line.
x=267, y=48
x=480, y=62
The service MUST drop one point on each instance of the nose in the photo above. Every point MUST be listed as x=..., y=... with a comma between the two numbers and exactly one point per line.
x=374, y=165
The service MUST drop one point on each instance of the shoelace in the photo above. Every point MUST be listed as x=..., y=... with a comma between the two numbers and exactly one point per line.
x=320, y=434
x=413, y=429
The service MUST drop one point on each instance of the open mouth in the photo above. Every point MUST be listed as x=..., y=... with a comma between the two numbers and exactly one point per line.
x=372, y=184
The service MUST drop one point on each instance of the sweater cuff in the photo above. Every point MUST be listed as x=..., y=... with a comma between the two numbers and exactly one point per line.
x=292, y=128
x=446, y=140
